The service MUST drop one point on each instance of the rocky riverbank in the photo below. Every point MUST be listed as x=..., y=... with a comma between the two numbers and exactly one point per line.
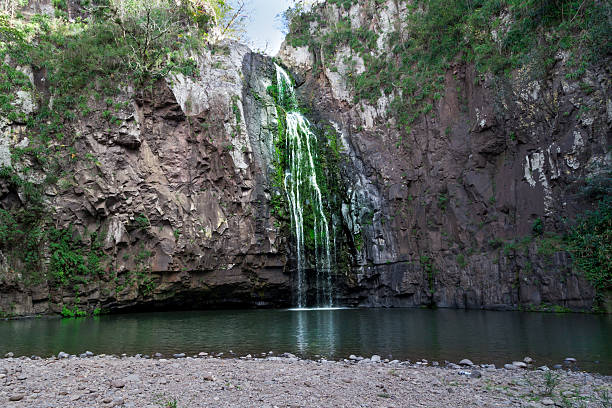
x=270, y=381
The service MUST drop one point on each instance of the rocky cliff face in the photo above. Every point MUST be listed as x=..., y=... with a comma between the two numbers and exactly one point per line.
x=448, y=209
x=175, y=189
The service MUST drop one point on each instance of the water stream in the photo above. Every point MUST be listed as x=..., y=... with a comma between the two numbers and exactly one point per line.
x=301, y=183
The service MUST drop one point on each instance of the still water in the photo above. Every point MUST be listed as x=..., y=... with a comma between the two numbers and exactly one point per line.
x=482, y=336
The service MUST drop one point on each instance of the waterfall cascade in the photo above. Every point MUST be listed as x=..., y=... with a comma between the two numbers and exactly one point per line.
x=309, y=223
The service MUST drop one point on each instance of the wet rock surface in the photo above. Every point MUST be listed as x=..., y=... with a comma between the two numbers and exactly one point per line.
x=106, y=381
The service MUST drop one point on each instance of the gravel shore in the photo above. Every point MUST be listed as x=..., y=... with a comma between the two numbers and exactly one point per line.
x=203, y=381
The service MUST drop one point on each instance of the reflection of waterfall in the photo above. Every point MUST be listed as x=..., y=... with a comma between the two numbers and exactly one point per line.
x=302, y=342
x=316, y=332
x=309, y=222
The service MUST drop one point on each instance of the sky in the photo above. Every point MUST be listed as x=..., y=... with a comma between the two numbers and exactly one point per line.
x=263, y=28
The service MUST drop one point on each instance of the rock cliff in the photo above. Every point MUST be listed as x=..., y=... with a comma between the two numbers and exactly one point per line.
x=172, y=195
x=452, y=210
x=174, y=192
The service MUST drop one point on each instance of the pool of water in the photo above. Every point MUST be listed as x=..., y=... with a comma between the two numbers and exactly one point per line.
x=482, y=336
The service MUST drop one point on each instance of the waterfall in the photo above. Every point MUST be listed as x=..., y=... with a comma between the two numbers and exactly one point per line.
x=303, y=193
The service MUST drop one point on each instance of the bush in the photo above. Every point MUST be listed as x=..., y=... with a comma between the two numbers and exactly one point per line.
x=590, y=243
x=67, y=258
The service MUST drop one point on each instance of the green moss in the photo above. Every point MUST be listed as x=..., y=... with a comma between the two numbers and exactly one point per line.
x=461, y=261
x=430, y=271
x=327, y=158
x=443, y=201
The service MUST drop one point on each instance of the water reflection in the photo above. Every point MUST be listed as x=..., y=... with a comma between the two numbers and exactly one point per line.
x=497, y=337
x=316, y=331
x=302, y=343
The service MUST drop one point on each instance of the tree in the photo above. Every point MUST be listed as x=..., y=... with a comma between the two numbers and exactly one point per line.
x=158, y=32
x=11, y=6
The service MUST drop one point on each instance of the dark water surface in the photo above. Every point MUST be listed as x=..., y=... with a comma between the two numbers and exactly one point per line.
x=482, y=336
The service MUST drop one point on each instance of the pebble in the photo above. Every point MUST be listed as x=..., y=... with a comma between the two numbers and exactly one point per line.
x=510, y=367
x=466, y=362
x=9, y=355
x=519, y=364
x=375, y=358
x=548, y=401
x=179, y=355
x=543, y=368
x=132, y=378
x=475, y=374
x=570, y=360
x=158, y=355
x=117, y=402
x=115, y=382
x=62, y=355
x=528, y=360
x=16, y=397
x=352, y=357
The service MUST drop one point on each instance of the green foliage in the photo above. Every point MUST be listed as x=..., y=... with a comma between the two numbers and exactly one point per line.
x=71, y=260
x=21, y=229
x=430, y=271
x=590, y=243
x=443, y=200
x=236, y=109
x=461, y=261
x=142, y=222
x=66, y=259
x=598, y=187
x=72, y=312
x=538, y=227
x=410, y=69
x=551, y=381
x=549, y=244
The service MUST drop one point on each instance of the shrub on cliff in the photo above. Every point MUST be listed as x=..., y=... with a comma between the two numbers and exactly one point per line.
x=497, y=36
x=590, y=243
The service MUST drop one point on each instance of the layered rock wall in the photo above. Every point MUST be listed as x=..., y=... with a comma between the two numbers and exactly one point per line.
x=176, y=190
x=447, y=209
